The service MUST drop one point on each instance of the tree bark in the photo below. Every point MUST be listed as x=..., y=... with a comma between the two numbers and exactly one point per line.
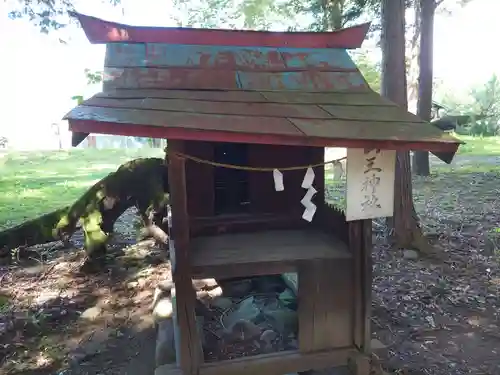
x=142, y=183
x=404, y=224
x=421, y=165
x=413, y=69
x=156, y=142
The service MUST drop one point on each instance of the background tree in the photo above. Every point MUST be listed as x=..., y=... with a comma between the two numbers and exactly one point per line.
x=334, y=14
x=426, y=11
x=486, y=108
x=405, y=224
x=47, y=15
x=422, y=48
x=56, y=129
x=478, y=111
x=369, y=68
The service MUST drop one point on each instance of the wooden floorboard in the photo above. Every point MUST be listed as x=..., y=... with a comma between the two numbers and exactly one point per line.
x=265, y=247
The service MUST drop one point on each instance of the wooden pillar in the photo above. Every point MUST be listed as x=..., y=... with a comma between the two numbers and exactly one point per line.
x=185, y=296
x=360, y=243
x=325, y=305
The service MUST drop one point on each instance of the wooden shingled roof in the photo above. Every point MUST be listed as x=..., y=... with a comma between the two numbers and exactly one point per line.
x=242, y=86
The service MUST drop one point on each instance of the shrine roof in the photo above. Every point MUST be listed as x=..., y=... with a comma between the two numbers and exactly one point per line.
x=99, y=31
x=244, y=86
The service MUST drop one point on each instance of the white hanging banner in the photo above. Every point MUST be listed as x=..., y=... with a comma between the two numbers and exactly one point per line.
x=308, y=178
x=278, y=180
x=370, y=183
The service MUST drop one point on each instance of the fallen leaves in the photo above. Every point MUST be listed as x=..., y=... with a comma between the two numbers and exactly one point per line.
x=439, y=314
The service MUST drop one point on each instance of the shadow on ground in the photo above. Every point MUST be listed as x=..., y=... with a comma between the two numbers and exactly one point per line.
x=56, y=319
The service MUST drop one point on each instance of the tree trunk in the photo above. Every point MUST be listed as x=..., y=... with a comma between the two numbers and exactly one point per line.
x=405, y=225
x=334, y=12
x=413, y=50
x=156, y=142
x=421, y=165
x=142, y=183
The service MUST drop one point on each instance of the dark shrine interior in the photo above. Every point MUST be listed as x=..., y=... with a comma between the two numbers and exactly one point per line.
x=231, y=186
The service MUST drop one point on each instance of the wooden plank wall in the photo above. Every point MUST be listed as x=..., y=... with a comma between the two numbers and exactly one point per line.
x=325, y=305
x=263, y=196
x=200, y=180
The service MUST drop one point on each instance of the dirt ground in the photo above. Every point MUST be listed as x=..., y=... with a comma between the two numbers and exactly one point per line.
x=55, y=319
x=434, y=315
x=440, y=315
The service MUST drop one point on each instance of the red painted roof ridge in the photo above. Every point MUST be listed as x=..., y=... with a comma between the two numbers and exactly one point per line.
x=101, y=31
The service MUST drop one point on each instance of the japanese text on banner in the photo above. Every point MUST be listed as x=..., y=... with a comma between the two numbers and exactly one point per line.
x=370, y=183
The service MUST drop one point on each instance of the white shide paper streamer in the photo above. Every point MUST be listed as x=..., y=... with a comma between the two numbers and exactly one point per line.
x=308, y=204
x=307, y=198
x=310, y=207
x=278, y=180
x=309, y=212
x=308, y=178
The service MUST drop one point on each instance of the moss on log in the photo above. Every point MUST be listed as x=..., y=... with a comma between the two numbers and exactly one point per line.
x=142, y=183
x=33, y=232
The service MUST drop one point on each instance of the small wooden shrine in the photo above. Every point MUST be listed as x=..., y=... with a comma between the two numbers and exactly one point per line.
x=247, y=116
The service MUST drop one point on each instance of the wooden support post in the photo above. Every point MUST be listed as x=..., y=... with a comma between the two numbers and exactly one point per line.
x=360, y=243
x=325, y=305
x=185, y=297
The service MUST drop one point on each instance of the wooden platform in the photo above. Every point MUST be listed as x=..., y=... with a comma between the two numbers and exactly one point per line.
x=272, y=364
x=261, y=253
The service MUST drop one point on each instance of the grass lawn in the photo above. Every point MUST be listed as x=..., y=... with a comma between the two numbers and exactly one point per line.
x=489, y=146
x=34, y=183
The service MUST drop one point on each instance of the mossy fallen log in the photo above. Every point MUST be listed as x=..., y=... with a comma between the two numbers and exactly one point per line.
x=142, y=183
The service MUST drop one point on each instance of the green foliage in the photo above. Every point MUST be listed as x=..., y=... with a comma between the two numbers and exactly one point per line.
x=211, y=14
x=369, y=68
x=482, y=104
x=336, y=14
x=263, y=14
x=47, y=15
x=259, y=14
x=78, y=98
x=486, y=105
x=93, y=78
x=51, y=15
